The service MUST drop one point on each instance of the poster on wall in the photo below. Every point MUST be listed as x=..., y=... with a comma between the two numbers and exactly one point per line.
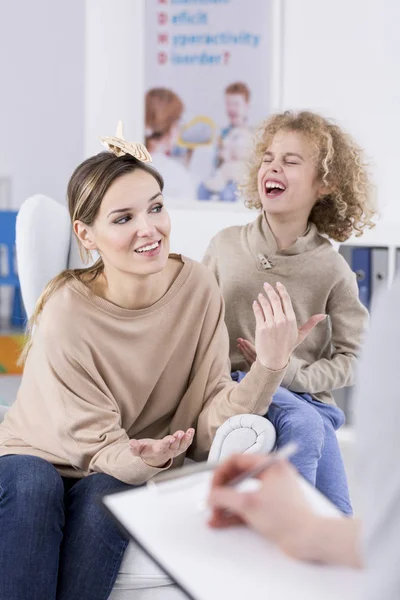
x=207, y=82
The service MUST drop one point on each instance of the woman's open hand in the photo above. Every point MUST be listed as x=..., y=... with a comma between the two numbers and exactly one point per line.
x=157, y=453
x=277, y=334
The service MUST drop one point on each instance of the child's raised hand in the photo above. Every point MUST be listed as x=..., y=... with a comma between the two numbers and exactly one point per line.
x=248, y=350
x=277, y=334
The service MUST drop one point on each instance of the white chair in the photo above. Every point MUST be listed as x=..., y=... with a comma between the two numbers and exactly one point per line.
x=44, y=248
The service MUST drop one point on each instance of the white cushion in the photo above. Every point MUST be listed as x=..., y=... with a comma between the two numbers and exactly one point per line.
x=163, y=592
x=138, y=571
x=242, y=434
x=3, y=410
x=43, y=237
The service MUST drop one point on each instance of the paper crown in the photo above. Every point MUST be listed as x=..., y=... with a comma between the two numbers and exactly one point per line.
x=119, y=146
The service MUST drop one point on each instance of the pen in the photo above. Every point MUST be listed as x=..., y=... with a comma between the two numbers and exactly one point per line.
x=281, y=454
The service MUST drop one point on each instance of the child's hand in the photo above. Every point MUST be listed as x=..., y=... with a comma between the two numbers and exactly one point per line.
x=248, y=350
x=277, y=334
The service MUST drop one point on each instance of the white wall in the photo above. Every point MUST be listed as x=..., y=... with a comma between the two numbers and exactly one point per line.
x=114, y=84
x=341, y=57
x=41, y=94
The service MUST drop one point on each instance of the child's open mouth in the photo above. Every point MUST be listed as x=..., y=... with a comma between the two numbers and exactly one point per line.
x=274, y=189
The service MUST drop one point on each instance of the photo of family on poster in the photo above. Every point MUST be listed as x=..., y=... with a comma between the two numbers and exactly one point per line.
x=198, y=160
x=204, y=96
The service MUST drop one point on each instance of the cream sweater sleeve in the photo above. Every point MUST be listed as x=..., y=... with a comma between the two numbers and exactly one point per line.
x=348, y=319
x=86, y=420
x=224, y=398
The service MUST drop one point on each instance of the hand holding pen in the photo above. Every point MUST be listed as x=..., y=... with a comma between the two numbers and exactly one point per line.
x=276, y=510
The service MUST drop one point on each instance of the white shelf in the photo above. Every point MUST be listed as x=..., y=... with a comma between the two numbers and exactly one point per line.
x=386, y=234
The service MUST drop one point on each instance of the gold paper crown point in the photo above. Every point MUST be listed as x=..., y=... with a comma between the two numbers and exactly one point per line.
x=119, y=146
x=119, y=133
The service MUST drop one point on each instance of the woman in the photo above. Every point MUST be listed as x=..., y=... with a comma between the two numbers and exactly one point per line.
x=279, y=510
x=126, y=370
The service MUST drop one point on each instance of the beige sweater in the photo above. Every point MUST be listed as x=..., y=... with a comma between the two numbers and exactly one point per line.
x=318, y=280
x=98, y=375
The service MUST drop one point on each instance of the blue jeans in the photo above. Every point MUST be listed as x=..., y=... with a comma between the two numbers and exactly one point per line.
x=312, y=425
x=56, y=541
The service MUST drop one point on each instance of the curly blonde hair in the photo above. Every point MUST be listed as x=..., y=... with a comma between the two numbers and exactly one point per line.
x=350, y=205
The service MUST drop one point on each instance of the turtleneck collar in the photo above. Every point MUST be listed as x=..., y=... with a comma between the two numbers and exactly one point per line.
x=264, y=240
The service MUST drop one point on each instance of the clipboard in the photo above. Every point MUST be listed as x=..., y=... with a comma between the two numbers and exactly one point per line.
x=167, y=521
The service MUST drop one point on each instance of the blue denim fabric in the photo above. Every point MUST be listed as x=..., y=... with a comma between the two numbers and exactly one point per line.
x=312, y=425
x=56, y=541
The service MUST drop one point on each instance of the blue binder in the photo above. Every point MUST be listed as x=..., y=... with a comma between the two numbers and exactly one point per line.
x=361, y=265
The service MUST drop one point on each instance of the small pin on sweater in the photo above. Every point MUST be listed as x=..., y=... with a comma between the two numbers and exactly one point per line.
x=265, y=262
